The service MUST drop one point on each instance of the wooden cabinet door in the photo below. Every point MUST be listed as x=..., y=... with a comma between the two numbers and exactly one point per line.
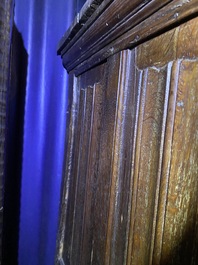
x=164, y=208
x=164, y=221
x=130, y=191
x=90, y=160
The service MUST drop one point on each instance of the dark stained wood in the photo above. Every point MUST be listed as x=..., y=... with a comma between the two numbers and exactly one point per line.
x=91, y=178
x=104, y=26
x=148, y=153
x=130, y=13
x=6, y=16
x=68, y=183
x=149, y=28
x=89, y=12
x=132, y=185
x=118, y=221
x=142, y=22
x=181, y=203
x=174, y=57
x=98, y=183
x=83, y=155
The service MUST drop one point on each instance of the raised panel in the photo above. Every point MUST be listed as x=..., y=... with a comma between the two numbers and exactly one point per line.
x=147, y=161
x=179, y=242
x=123, y=150
x=170, y=204
x=131, y=196
x=87, y=180
x=81, y=177
x=92, y=177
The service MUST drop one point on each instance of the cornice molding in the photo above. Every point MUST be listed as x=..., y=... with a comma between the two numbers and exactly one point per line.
x=82, y=17
x=105, y=27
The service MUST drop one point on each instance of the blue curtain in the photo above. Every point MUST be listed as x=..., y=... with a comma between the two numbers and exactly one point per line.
x=41, y=24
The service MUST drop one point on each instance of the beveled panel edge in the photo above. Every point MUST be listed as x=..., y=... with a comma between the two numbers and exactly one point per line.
x=161, y=20
x=68, y=160
x=118, y=170
x=61, y=262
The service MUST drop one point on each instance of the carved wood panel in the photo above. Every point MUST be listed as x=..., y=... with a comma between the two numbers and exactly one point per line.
x=130, y=186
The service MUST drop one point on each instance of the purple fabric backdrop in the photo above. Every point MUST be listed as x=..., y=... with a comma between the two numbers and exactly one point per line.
x=41, y=24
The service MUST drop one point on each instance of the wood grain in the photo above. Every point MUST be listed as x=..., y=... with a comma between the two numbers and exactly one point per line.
x=68, y=182
x=87, y=15
x=135, y=23
x=91, y=178
x=133, y=191
x=103, y=181
x=181, y=208
x=6, y=16
x=121, y=164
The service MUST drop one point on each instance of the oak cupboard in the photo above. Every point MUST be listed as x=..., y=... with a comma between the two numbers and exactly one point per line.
x=130, y=184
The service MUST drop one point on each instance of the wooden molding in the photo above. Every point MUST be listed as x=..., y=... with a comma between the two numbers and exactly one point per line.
x=130, y=185
x=117, y=25
x=82, y=17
